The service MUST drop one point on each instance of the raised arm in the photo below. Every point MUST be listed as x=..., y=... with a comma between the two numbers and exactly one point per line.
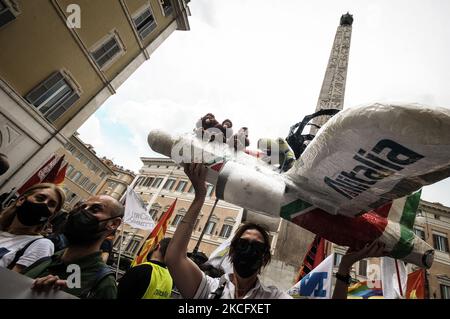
x=186, y=275
x=375, y=249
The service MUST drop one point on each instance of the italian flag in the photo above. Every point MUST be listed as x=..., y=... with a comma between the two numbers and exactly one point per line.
x=391, y=223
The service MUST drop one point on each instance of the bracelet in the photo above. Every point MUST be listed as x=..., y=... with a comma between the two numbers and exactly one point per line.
x=347, y=278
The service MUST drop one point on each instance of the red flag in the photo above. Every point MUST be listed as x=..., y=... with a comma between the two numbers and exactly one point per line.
x=40, y=174
x=314, y=256
x=59, y=179
x=53, y=174
x=155, y=236
x=415, y=285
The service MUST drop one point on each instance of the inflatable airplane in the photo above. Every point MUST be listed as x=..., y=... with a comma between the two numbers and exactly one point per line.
x=356, y=182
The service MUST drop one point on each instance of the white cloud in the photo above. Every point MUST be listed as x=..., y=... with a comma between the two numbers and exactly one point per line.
x=91, y=132
x=261, y=63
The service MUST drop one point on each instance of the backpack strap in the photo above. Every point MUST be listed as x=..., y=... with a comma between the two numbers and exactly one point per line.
x=219, y=291
x=297, y=140
x=101, y=274
x=20, y=253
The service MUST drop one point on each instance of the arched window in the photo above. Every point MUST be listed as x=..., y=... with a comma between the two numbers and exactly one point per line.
x=76, y=176
x=227, y=227
x=69, y=170
x=211, y=226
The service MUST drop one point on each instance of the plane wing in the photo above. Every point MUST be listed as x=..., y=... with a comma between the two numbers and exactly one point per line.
x=364, y=157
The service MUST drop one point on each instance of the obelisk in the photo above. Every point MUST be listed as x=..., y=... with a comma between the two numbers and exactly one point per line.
x=333, y=87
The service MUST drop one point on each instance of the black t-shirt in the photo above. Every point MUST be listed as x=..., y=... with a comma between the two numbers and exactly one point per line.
x=106, y=246
x=134, y=283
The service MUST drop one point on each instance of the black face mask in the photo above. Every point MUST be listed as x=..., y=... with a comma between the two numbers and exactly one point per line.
x=248, y=257
x=31, y=214
x=82, y=227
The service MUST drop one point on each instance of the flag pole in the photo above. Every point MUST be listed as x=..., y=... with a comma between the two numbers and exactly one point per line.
x=398, y=278
x=204, y=228
x=120, y=251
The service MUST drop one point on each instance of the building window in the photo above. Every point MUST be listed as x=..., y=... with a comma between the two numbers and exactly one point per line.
x=148, y=181
x=169, y=184
x=133, y=246
x=445, y=292
x=84, y=182
x=154, y=213
x=92, y=187
x=53, y=97
x=112, y=184
x=166, y=7
x=102, y=174
x=226, y=231
x=191, y=190
x=362, y=268
x=181, y=186
x=76, y=177
x=177, y=220
x=437, y=217
x=145, y=23
x=210, y=228
x=138, y=181
x=105, y=54
x=157, y=182
x=69, y=170
x=117, y=242
x=6, y=13
x=440, y=243
x=337, y=259
x=209, y=190
x=420, y=233
x=71, y=148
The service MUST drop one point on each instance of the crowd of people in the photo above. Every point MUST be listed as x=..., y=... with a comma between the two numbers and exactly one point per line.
x=41, y=241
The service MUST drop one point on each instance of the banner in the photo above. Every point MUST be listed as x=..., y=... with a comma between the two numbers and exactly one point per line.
x=393, y=272
x=316, y=284
x=136, y=214
x=219, y=257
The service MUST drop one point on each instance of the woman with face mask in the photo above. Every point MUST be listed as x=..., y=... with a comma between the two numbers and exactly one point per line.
x=21, y=225
x=249, y=253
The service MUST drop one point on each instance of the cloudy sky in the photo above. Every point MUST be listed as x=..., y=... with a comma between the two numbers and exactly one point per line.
x=261, y=63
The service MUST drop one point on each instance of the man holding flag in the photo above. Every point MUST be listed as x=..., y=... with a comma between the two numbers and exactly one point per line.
x=149, y=277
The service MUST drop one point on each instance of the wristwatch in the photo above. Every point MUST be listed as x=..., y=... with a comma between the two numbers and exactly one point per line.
x=347, y=278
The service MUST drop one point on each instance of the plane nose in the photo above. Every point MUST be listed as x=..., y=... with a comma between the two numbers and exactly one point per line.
x=160, y=142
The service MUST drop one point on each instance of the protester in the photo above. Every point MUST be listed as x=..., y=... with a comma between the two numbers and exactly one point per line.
x=240, y=141
x=107, y=248
x=203, y=124
x=86, y=228
x=149, y=280
x=343, y=278
x=21, y=225
x=286, y=157
x=249, y=253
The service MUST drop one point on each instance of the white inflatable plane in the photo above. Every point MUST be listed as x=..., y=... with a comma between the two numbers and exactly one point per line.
x=354, y=183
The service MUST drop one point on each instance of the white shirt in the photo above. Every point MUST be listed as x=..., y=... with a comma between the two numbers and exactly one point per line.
x=209, y=285
x=10, y=244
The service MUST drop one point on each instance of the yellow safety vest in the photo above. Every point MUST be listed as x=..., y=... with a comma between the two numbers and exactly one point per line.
x=160, y=286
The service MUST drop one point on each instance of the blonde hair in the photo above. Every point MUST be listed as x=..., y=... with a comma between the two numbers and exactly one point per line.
x=8, y=214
